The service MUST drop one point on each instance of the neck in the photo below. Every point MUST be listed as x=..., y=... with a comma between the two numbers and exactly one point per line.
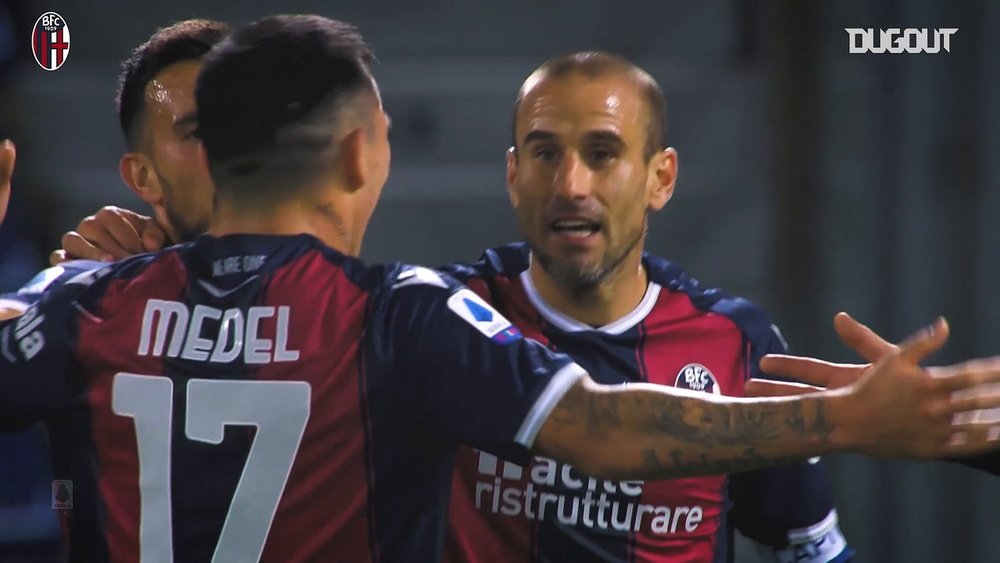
x=616, y=296
x=322, y=217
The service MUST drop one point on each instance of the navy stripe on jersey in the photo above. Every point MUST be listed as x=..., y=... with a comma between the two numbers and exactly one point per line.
x=31, y=292
x=690, y=330
x=267, y=314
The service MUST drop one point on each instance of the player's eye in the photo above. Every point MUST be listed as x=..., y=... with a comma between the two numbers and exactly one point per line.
x=600, y=155
x=544, y=153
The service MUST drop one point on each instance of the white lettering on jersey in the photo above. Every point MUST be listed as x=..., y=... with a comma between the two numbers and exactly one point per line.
x=172, y=322
x=28, y=338
x=237, y=264
x=502, y=491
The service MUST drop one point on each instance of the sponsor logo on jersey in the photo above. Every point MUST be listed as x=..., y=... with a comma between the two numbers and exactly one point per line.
x=26, y=334
x=697, y=378
x=557, y=492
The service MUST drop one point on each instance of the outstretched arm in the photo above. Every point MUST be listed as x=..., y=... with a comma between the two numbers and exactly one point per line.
x=896, y=409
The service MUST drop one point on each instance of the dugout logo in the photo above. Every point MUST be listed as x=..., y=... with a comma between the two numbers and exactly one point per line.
x=895, y=40
x=697, y=377
x=50, y=41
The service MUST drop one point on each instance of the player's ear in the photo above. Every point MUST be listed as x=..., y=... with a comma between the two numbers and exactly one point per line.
x=352, y=160
x=662, y=178
x=138, y=174
x=511, y=176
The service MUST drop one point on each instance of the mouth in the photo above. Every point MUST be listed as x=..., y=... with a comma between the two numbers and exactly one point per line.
x=578, y=229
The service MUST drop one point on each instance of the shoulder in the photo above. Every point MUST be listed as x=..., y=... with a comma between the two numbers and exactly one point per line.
x=750, y=319
x=501, y=261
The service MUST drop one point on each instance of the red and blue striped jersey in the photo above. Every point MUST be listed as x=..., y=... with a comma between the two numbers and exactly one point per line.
x=255, y=396
x=682, y=335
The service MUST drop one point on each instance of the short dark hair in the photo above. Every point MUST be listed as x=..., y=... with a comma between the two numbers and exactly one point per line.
x=182, y=41
x=595, y=64
x=270, y=95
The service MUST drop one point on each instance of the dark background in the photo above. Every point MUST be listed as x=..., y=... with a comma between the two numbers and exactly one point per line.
x=811, y=180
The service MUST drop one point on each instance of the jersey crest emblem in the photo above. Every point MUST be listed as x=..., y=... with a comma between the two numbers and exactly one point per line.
x=697, y=377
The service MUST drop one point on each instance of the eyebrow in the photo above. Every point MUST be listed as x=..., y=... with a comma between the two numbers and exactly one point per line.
x=539, y=136
x=604, y=137
x=186, y=120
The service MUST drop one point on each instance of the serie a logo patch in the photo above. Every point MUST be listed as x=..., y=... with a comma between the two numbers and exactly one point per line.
x=50, y=41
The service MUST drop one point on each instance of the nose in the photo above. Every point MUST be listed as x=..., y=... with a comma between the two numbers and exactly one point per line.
x=572, y=180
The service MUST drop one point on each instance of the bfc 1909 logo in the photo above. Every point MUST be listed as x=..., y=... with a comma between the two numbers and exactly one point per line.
x=50, y=41
x=697, y=377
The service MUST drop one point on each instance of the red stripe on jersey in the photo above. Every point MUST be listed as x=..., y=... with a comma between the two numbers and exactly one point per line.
x=322, y=514
x=686, y=513
x=109, y=337
x=485, y=534
x=482, y=534
x=508, y=297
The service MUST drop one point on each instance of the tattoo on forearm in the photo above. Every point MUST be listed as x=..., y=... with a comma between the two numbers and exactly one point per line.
x=738, y=433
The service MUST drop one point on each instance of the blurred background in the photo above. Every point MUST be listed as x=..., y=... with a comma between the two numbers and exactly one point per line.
x=812, y=180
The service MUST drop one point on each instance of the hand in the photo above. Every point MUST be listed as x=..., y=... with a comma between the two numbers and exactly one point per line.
x=9, y=314
x=110, y=234
x=897, y=409
x=855, y=335
x=7, y=156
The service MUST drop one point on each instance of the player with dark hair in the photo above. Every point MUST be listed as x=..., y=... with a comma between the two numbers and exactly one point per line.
x=155, y=103
x=788, y=508
x=156, y=111
x=359, y=381
x=157, y=117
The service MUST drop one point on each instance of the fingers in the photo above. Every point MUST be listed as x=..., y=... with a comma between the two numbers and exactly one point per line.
x=969, y=439
x=110, y=234
x=58, y=256
x=153, y=236
x=114, y=231
x=926, y=341
x=764, y=388
x=7, y=156
x=862, y=339
x=812, y=370
x=76, y=247
x=974, y=377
